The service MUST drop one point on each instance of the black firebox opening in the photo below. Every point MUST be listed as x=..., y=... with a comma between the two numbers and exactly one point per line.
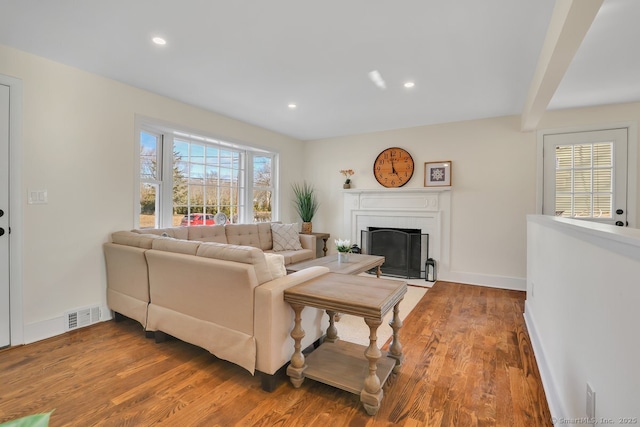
x=401, y=247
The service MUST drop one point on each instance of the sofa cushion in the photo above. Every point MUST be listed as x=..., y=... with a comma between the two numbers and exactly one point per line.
x=292, y=257
x=175, y=232
x=243, y=234
x=264, y=234
x=129, y=238
x=285, y=237
x=208, y=233
x=276, y=264
x=168, y=244
x=237, y=253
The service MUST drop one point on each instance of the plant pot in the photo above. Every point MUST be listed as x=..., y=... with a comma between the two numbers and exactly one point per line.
x=306, y=228
x=346, y=185
x=343, y=256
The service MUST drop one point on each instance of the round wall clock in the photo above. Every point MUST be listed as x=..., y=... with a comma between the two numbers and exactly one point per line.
x=393, y=167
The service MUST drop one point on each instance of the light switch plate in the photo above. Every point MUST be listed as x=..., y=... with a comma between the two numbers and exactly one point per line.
x=37, y=197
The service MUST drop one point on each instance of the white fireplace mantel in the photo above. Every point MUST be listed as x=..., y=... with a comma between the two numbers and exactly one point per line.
x=427, y=209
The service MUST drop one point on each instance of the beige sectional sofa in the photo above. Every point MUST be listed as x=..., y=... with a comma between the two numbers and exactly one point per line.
x=217, y=287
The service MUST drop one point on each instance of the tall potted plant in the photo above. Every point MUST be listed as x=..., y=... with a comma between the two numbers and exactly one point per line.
x=306, y=204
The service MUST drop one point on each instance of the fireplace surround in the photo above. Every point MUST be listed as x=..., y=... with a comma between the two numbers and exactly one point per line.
x=425, y=209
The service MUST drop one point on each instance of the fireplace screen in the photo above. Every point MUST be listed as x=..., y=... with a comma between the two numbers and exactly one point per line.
x=405, y=250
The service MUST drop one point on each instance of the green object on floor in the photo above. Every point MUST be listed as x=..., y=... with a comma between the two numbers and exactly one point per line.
x=37, y=420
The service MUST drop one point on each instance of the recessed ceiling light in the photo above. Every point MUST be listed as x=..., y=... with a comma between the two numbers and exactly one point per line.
x=409, y=85
x=292, y=106
x=159, y=41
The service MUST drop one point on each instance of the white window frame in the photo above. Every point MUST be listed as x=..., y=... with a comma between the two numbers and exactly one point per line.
x=632, y=162
x=164, y=197
x=158, y=181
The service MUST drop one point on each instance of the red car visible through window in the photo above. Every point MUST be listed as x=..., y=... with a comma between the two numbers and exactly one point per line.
x=197, y=219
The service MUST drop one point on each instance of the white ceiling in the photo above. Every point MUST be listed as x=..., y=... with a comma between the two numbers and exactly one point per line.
x=246, y=59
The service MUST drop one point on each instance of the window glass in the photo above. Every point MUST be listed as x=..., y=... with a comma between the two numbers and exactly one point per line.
x=148, y=156
x=148, y=205
x=584, y=180
x=199, y=175
x=149, y=178
x=262, y=188
x=207, y=180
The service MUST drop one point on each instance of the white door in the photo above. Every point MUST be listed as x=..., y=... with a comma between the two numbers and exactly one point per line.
x=585, y=176
x=5, y=325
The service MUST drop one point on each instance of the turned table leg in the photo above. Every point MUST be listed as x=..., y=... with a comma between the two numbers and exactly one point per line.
x=332, y=331
x=296, y=368
x=371, y=394
x=395, y=349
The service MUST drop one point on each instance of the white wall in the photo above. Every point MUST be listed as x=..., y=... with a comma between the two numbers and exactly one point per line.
x=78, y=143
x=495, y=182
x=493, y=176
x=583, y=295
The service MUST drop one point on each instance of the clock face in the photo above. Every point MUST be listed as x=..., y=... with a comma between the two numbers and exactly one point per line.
x=393, y=167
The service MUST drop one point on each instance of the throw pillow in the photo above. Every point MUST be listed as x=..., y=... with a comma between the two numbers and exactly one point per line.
x=285, y=237
x=276, y=264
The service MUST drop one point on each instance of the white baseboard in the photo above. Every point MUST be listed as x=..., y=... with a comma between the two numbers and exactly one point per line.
x=501, y=282
x=553, y=400
x=44, y=329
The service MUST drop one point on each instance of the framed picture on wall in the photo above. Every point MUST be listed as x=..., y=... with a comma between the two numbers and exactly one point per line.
x=437, y=174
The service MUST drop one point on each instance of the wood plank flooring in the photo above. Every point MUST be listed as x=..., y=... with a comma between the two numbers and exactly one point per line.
x=468, y=362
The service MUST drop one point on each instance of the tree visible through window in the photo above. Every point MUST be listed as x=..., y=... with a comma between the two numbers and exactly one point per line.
x=149, y=179
x=262, y=188
x=207, y=179
x=200, y=178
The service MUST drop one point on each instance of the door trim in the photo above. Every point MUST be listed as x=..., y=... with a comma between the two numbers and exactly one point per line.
x=632, y=162
x=15, y=203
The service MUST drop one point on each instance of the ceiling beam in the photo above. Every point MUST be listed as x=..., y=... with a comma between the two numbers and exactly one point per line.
x=570, y=21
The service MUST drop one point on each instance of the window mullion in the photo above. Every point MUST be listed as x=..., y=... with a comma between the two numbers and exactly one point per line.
x=166, y=177
x=232, y=187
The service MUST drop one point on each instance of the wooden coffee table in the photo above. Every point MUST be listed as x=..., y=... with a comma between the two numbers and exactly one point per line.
x=357, y=264
x=348, y=366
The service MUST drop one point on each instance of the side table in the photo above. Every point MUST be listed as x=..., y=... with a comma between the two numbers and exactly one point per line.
x=324, y=237
x=339, y=363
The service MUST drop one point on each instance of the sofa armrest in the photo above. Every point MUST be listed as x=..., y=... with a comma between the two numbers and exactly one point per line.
x=274, y=319
x=127, y=280
x=308, y=241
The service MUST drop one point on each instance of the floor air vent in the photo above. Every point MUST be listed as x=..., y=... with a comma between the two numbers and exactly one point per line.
x=83, y=317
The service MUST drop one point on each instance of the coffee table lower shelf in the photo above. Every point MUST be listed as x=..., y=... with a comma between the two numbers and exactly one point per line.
x=342, y=364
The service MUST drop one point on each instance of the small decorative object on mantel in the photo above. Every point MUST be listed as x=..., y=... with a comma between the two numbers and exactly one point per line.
x=437, y=174
x=347, y=175
x=306, y=204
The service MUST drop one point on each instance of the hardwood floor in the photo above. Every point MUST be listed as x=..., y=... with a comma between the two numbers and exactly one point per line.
x=468, y=362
